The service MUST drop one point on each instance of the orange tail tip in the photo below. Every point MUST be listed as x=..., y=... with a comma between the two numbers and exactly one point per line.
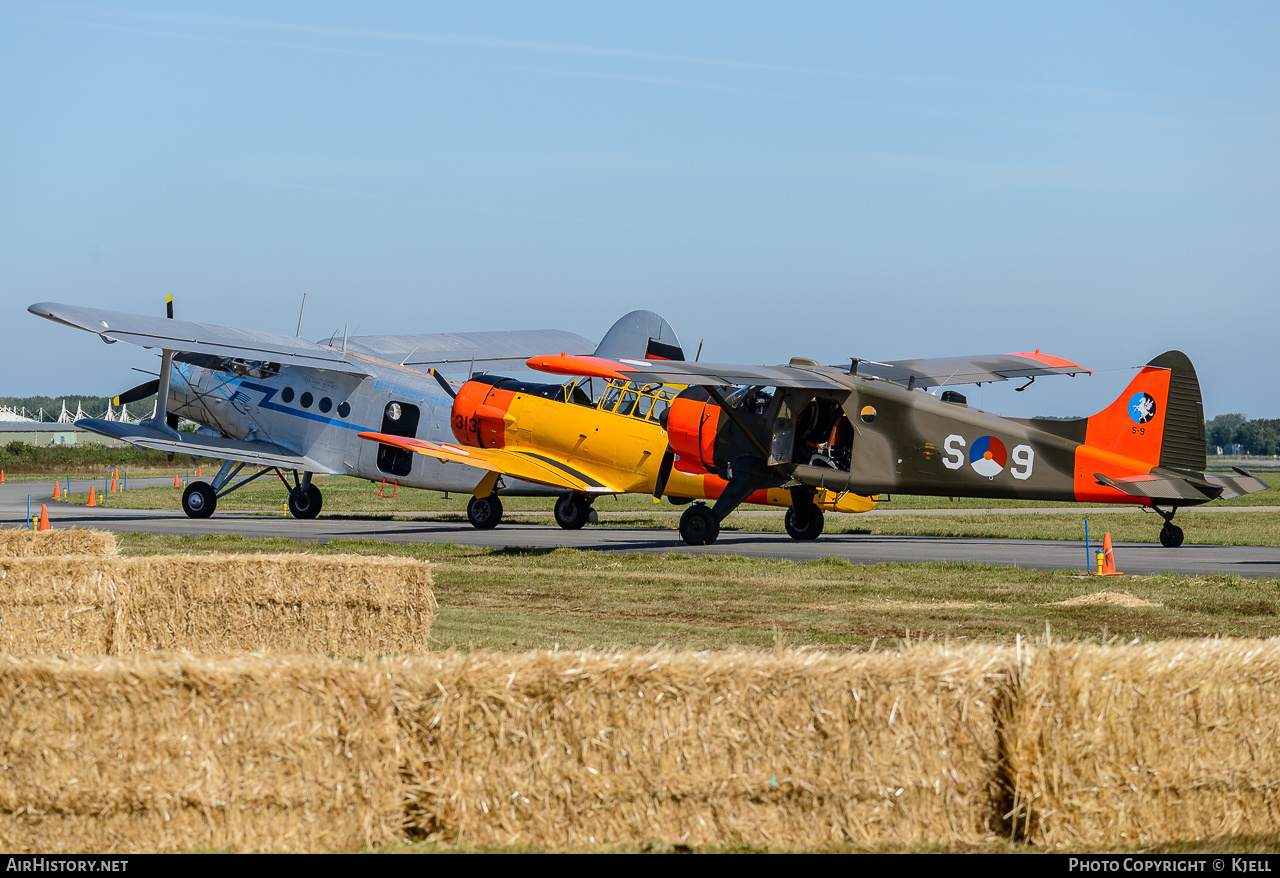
x=44, y=517
x=93, y=496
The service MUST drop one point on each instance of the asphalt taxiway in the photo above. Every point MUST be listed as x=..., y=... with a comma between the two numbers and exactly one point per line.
x=1134, y=558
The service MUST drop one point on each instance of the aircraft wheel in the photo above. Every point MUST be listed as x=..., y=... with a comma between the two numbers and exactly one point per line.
x=698, y=527
x=572, y=511
x=199, y=501
x=810, y=526
x=306, y=505
x=484, y=512
x=1170, y=535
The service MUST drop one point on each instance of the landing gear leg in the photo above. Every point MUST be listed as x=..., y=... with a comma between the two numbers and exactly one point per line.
x=304, y=498
x=699, y=526
x=1170, y=535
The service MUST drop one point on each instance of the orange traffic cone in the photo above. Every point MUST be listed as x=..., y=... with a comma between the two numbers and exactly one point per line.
x=1, y=477
x=1107, y=559
x=93, y=496
x=113, y=484
x=199, y=472
x=44, y=517
x=175, y=481
x=57, y=489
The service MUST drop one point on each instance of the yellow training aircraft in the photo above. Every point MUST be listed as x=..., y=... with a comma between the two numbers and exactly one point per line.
x=557, y=435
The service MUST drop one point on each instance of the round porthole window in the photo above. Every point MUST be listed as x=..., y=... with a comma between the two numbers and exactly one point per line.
x=344, y=409
x=306, y=399
x=325, y=404
x=393, y=411
x=287, y=394
x=868, y=414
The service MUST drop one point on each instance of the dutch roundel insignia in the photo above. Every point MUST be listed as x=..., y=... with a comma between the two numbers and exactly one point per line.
x=987, y=456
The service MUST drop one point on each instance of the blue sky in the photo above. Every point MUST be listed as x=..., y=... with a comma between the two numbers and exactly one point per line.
x=821, y=179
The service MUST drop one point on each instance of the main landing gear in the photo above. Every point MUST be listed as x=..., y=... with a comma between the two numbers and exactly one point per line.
x=200, y=499
x=484, y=513
x=700, y=524
x=1170, y=534
x=572, y=510
x=803, y=521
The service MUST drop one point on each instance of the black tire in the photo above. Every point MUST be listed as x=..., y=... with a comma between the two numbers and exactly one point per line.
x=572, y=511
x=484, y=513
x=199, y=501
x=307, y=504
x=811, y=524
x=698, y=527
x=1170, y=535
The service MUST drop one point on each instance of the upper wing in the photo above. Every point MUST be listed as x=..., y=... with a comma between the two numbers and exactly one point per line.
x=912, y=373
x=942, y=371
x=203, y=338
x=672, y=372
x=476, y=351
x=199, y=445
x=540, y=467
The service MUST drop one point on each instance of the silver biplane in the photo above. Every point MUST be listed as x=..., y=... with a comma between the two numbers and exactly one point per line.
x=276, y=404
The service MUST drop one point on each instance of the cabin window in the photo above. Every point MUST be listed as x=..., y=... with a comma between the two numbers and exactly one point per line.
x=344, y=409
x=398, y=419
x=306, y=399
x=287, y=394
x=643, y=404
x=325, y=404
x=628, y=403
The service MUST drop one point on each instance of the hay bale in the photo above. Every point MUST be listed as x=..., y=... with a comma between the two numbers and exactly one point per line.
x=179, y=752
x=1137, y=745
x=783, y=750
x=346, y=605
x=23, y=543
x=60, y=606
x=338, y=604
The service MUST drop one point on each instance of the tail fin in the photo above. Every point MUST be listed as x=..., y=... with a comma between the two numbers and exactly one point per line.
x=1159, y=419
x=640, y=335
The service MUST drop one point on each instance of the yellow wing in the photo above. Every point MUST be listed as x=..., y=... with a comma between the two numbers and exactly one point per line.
x=539, y=467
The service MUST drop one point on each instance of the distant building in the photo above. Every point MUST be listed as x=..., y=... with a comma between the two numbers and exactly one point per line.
x=36, y=433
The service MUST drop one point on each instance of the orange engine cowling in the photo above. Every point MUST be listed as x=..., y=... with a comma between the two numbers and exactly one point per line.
x=691, y=431
x=480, y=417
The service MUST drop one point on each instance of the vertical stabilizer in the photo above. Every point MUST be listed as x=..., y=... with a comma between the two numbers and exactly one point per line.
x=640, y=335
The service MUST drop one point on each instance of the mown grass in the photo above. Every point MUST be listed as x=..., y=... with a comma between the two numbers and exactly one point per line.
x=520, y=599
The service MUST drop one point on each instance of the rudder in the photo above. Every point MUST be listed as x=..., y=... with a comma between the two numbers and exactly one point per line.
x=1158, y=420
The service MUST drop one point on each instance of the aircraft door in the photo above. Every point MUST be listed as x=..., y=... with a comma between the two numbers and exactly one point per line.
x=398, y=419
x=783, y=432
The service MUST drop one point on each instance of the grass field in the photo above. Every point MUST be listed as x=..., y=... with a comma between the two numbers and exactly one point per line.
x=519, y=599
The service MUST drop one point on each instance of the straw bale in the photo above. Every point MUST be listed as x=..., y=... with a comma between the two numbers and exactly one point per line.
x=60, y=606
x=338, y=604
x=22, y=543
x=1170, y=741
x=782, y=750
x=179, y=752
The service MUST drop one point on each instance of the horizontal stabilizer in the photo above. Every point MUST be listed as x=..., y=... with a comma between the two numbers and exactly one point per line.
x=201, y=445
x=1243, y=482
x=1163, y=487
x=201, y=338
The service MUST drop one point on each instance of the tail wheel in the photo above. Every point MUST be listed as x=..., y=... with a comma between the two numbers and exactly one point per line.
x=305, y=504
x=484, y=513
x=805, y=524
x=1170, y=535
x=199, y=501
x=698, y=527
x=572, y=511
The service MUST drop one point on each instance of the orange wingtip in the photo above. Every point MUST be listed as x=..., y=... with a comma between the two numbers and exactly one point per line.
x=1050, y=360
x=592, y=367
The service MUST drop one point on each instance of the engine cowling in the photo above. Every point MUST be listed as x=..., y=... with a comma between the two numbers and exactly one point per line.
x=692, y=423
x=480, y=414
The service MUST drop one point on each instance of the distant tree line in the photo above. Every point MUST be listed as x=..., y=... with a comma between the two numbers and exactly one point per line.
x=1261, y=436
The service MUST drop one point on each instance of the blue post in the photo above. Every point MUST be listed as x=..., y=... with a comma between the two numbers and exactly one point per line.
x=1088, y=555
x=125, y=486
x=28, y=510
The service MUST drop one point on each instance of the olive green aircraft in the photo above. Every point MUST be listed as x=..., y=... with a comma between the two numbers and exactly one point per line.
x=873, y=429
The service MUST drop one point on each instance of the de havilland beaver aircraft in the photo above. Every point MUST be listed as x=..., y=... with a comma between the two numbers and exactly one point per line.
x=870, y=429
x=281, y=404
x=556, y=434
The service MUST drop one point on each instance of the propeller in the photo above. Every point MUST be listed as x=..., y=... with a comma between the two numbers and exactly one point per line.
x=142, y=391
x=664, y=473
x=443, y=382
